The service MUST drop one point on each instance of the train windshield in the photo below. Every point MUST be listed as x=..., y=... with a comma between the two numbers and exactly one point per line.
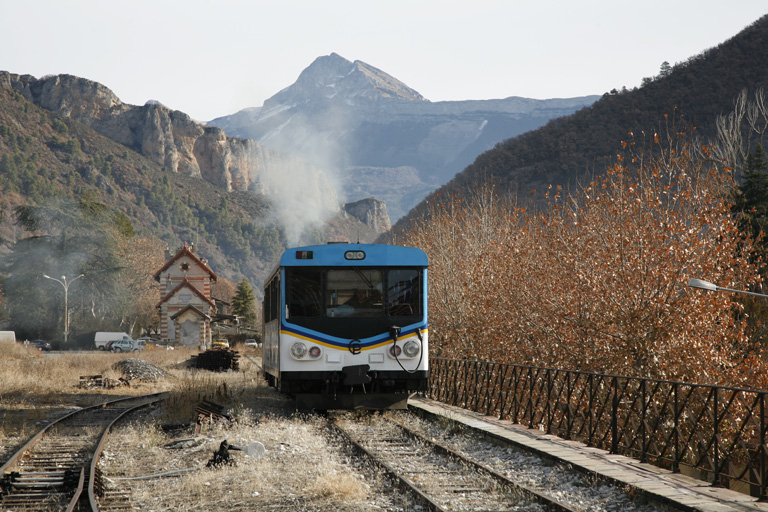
x=357, y=292
x=354, y=292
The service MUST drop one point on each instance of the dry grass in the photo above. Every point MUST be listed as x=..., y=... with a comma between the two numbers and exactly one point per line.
x=28, y=374
x=299, y=470
x=37, y=386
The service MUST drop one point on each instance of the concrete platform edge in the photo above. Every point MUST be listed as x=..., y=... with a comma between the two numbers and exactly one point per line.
x=672, y=489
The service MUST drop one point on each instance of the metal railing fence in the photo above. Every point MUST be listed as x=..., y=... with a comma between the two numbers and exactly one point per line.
x=714, y=433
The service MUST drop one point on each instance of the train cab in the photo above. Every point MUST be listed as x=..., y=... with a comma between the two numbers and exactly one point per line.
x=346, y=325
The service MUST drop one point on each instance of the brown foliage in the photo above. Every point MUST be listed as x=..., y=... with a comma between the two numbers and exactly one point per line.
x=223, y=289
x=141, y=257
x=597, y=281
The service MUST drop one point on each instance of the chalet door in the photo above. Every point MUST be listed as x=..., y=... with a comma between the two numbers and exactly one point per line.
x=171, y=325
x=189, y=331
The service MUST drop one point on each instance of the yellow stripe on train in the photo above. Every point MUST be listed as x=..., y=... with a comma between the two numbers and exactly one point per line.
x=341, y=346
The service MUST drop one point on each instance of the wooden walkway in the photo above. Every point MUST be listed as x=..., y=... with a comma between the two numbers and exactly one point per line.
x=679, y=491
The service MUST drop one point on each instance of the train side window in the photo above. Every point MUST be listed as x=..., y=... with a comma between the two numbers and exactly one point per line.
x=268, y=302
x=265, y=305
x=271, y=306
x=275, y=298
x=304, y=292
x=404, y=292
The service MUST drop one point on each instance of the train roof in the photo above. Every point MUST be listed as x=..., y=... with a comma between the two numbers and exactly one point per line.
x=362, y=255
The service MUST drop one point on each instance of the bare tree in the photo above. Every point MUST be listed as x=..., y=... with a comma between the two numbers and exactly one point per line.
x=739, y=132
x=597, y=280
x=140, y=293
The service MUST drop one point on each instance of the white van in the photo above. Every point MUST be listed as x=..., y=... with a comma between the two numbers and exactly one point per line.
x=101, y=338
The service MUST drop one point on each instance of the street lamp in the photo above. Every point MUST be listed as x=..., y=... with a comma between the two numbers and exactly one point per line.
x=65, y=284
x=706, y=285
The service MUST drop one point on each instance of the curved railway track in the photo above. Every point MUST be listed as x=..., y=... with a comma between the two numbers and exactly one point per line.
x=54, y=468
x=439, y=478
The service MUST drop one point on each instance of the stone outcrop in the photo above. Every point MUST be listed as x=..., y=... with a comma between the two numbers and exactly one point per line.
x=371, y=212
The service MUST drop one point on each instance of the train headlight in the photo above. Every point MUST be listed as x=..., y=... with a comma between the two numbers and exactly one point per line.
x=298, y=350
x=411, y=348
x=314, y=352
x=395, y=350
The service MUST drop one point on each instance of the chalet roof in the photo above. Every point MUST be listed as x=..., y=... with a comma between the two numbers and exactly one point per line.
x=185, y=284
x=185, y=251
x=188, y=308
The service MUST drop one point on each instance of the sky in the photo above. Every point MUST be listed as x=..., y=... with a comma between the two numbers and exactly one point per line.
x=214, y=58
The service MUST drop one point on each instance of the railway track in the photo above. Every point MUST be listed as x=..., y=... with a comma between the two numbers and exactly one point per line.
x=57, y=468
x=438, y=477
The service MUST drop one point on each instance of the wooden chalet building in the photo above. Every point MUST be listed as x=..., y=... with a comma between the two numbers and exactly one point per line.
x=186, y=307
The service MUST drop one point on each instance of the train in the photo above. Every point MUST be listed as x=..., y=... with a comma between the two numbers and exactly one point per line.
x=345, y=326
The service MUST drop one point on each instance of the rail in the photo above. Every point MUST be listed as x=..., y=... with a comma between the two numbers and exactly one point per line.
x=54, y=476
x=714, y=433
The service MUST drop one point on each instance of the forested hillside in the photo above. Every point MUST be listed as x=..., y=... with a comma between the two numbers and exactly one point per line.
x=75, y=202
x=45, y=157
x=566, y=150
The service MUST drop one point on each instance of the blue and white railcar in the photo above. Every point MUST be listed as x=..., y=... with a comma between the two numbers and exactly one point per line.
x=345, y=325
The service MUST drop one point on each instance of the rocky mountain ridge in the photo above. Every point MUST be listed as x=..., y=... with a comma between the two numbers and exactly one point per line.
x=49, y=153
x=335, y=78
x=302, y=195
x=342, y=130
x=350, y=116
x=169, y=137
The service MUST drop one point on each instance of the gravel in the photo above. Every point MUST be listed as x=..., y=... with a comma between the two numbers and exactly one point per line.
x=139, y=369
x=561, y=481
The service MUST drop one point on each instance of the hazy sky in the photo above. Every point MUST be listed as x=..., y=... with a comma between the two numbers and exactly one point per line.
x=213, y=58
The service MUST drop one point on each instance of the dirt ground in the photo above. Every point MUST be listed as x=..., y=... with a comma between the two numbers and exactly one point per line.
x=287, y=460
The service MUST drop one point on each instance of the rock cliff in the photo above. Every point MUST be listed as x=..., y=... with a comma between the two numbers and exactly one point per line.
x=371, y=212
x=175, y=141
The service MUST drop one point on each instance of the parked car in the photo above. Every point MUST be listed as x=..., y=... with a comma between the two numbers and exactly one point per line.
x=41, y=345
x=250, y=342
x=102, y=338
x=125, y=345
x=221, y=343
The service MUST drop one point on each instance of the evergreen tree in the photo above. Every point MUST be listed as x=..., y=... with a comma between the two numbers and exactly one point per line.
x=244, y=303
x=752, y=203
x=752, y=207
x=665, y=69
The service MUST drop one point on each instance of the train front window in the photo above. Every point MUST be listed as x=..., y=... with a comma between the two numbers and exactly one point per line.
x=304, y=293
x=404, y=292
x=354, y=292
x=353, y=301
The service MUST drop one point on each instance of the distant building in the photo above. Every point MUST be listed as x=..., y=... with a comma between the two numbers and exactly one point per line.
x=186, y=307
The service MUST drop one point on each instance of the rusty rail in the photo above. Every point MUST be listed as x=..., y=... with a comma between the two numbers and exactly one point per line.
x=95, y=486
x=61, y=478
x=714, y=433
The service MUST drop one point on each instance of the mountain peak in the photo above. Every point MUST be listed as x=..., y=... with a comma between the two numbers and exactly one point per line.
x=332, y=77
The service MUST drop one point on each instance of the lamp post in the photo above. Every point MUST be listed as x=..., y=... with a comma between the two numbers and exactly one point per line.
x=63, y=282
x=706, y=285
